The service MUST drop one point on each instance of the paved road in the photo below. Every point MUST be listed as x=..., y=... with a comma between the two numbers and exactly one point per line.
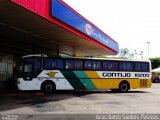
x=136, y=101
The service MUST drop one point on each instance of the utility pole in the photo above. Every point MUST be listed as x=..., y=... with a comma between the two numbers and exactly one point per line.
x=148, y=47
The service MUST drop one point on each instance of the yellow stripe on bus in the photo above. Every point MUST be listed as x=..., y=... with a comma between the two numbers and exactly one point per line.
x=112, y=83
x=102, y=83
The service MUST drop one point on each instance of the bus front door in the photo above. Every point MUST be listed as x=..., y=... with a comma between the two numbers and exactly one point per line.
x=28, y=76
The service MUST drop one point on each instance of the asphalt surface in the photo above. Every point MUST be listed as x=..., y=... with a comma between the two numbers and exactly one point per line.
x=138, y=101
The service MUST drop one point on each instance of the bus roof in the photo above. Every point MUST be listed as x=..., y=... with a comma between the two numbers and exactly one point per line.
x=117, y=59
x=89, y=58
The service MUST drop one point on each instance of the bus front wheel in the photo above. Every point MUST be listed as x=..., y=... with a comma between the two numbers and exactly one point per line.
x=124, y=86
x=48, y=87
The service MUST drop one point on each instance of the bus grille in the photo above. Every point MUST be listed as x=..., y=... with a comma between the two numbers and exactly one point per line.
x=143, y=83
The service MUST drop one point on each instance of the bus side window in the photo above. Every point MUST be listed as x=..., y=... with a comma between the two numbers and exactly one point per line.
x=96, y=65
x=105, y=65
x=126, y=66
x=137, y=67
x=70, y=64
x=79, y=64
x=144, y=67
x=59, y=63
x=141, y=67
x=110, y=65
x=129, y=66
x=88, y=65
x=50, y=63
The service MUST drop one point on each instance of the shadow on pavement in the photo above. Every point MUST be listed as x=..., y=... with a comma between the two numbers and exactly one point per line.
x=16, y=99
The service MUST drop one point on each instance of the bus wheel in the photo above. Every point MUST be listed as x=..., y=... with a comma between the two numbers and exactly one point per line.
x=48, y=87
x=124, y=86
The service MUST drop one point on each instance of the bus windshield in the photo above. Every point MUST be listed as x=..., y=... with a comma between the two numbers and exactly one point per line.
x=32, y=65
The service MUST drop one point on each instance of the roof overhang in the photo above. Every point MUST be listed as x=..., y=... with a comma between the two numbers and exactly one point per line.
x=51, y=25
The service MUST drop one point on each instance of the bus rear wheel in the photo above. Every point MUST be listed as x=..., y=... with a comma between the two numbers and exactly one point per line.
x=48, y=87
x=124, y=87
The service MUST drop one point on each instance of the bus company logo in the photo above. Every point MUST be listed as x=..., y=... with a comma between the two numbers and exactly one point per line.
x=51, y=74
x=89, y=29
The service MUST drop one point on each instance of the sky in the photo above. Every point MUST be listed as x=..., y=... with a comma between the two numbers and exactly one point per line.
x=132, y=23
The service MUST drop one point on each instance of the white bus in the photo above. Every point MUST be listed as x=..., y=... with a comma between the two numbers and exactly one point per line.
x=48, y=74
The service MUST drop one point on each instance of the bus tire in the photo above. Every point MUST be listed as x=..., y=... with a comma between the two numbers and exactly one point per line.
x=48, y=87
x=124, y=86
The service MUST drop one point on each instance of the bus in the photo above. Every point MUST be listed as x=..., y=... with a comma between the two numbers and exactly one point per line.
x=48, y=74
